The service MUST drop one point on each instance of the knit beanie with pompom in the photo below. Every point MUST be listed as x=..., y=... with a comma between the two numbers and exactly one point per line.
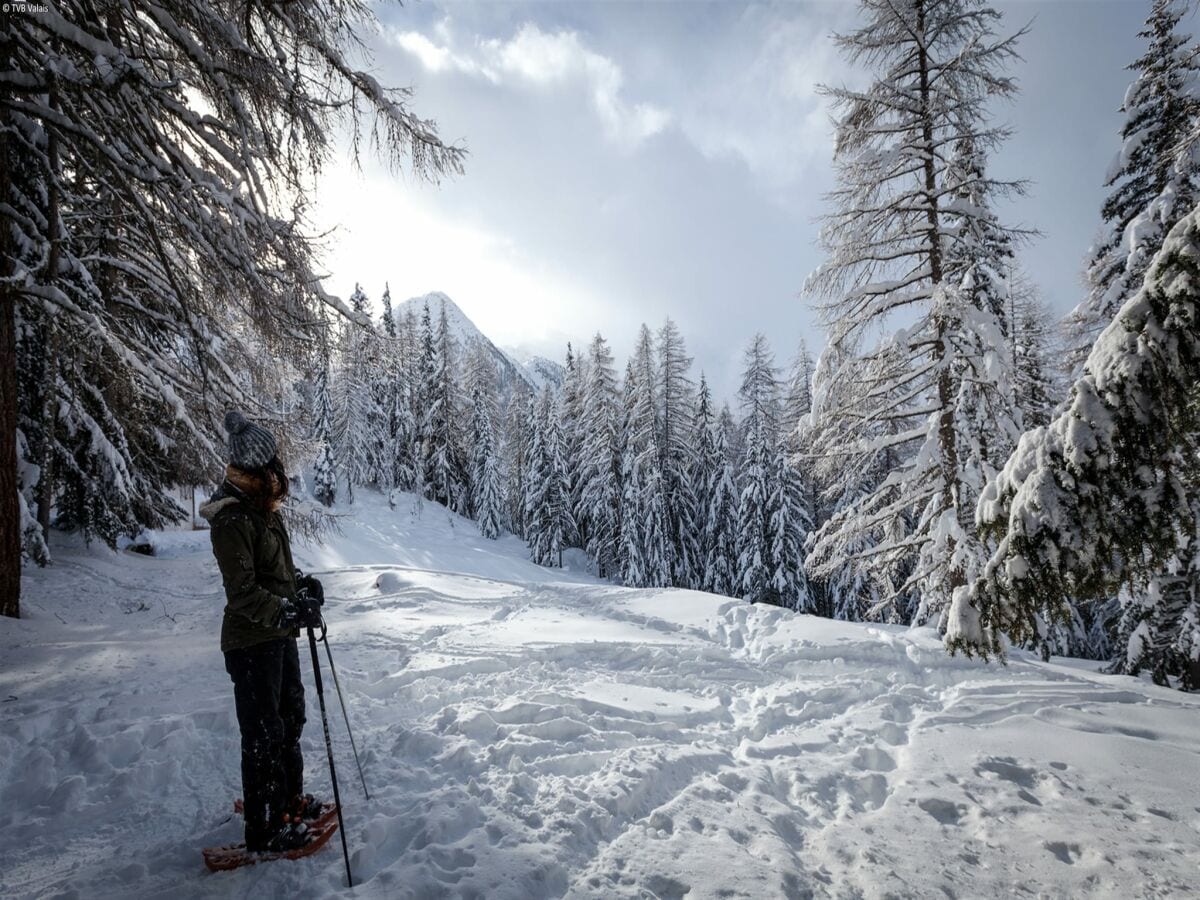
x=250, y=446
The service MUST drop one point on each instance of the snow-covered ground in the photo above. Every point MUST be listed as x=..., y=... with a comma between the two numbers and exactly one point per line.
x=533, y=733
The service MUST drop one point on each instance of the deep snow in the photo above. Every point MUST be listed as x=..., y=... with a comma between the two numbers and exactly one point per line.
x=534, y=733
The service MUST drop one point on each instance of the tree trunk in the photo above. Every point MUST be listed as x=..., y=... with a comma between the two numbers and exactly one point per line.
x=45, y=489
x=945, y=384
x=10, y=510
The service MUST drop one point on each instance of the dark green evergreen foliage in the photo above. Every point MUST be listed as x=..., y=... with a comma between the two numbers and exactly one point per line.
x=1153, y=182
x=1108, y=493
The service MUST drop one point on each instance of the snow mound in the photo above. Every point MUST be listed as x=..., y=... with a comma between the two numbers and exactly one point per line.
x=390, y=582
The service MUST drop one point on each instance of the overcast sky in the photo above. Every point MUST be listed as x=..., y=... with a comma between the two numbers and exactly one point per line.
x=632, y=161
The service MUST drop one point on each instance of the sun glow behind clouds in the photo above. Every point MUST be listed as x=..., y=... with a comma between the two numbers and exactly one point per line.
x=385, y=231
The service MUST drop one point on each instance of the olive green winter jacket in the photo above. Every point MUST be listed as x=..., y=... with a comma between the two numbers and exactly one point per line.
x=255, y=558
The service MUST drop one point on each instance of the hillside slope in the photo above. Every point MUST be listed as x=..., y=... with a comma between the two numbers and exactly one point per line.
x=534, y=733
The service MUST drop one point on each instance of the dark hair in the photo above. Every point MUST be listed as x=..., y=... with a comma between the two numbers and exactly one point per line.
x=267, y=486
x=275, y=468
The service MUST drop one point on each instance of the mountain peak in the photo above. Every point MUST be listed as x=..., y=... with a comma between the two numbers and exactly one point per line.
x=535, y=374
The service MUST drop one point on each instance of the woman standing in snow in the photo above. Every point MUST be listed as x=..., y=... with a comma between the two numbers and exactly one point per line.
x=267, y=601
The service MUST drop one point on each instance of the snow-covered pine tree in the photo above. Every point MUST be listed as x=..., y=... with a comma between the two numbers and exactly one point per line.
x=1036, y=355
x=720, y=524
x=444, y=468
x=387, y=319
x=647, y=554
x=753, y=572
x=359, y=425
x=169, y=315
x=1107, y=495
x=759, y=393
x=597, y=510
x=788, y=522
x=570, y=415
x=487, y=498
x=325, y=468
x=892, y=244
x=535, y=476
x=517, y=444
x=797, y=400
x=847, y=468
x=547, y=509
x=1153, y=180
x=424, y=388
x=797, y=435
x=702, y=469
x=674, y=393
x=397, y=463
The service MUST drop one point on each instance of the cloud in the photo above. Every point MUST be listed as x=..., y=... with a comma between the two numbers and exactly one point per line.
x=757, y=99
x=542, y=60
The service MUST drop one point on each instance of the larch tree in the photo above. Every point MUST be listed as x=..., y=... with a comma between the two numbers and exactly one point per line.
x=154, y=165
x=900, y=249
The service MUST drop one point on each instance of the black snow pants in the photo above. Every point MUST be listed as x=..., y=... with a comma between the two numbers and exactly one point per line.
x=269, y=698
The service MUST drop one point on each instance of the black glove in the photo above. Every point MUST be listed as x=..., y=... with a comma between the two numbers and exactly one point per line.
x=310, y=585
x=301, y=612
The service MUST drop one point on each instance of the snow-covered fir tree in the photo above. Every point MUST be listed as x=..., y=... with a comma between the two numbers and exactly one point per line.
x=548, y=522
x=902, y=239
x=518, y=429
x=646, y=552
x=571, y=412
x=759, y=395
x=788, y=522
x=720, y=523
x=597, y=510
x=674, y=396
x=487, y=495
x=1036, y=353
x=442, y=458
x=359, y=423
x=1106, y=496
x=325, y=468
x=797, y=400
x=848, y=468
x=702, y=469
x=1153, y=180
x=397, y=462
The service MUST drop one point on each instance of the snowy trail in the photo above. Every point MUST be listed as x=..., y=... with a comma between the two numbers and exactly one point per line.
x=546, y=738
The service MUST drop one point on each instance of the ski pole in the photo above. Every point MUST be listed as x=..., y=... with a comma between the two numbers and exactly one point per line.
x=345, y=715
x=337, y=800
